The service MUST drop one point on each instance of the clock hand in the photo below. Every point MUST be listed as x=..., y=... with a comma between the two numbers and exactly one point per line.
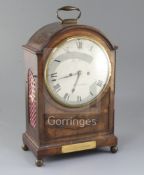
x=67, y=76
x=75, y=84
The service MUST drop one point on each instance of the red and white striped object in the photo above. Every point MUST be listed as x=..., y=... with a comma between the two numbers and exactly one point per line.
x=32, y=104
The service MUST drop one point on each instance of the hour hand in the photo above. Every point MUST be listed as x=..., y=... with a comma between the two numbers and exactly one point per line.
x=67, y=76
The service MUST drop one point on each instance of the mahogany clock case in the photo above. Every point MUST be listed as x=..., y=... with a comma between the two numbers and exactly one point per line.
x=43, y=140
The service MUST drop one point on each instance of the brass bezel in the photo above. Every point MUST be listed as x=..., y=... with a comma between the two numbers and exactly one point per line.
x=50, y=57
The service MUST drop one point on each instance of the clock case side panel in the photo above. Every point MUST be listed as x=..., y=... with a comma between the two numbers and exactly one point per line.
x=33, y=53
x=112, y=93
x=31, y=69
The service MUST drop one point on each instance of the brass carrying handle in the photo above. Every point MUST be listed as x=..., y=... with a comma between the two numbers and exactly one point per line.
x=68, y=8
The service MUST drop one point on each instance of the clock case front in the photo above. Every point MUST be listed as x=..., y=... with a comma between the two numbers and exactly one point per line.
x=43, y=139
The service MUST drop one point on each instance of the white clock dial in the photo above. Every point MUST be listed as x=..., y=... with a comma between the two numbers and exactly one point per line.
x=77, y=71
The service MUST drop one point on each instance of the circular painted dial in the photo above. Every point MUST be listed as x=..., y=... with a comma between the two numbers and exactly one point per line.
x=77, y=71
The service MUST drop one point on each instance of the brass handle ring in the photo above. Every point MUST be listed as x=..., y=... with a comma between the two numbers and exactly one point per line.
x=68, y=8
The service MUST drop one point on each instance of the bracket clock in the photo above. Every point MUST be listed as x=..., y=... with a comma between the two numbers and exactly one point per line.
x=70, y=89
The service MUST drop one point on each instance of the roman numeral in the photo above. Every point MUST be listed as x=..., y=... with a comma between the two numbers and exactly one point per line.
x=53, y=76
x=57, y=61
x=91, y=93
x=79, y=98
x=57, y=87
x=91, y=48
x=79, y=44
x=66, y=96
x=100, y=83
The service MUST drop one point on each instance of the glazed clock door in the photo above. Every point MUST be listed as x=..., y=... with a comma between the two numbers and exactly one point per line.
x=77, y=71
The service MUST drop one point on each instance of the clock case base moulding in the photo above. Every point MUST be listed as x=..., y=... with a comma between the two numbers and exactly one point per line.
x=54, y=149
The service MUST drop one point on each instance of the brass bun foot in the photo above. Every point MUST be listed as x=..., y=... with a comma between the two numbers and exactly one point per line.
x=39, y=163
x=25, y=148
x=114, y=149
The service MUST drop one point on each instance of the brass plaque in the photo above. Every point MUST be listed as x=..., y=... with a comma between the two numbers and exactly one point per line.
x=78, y=147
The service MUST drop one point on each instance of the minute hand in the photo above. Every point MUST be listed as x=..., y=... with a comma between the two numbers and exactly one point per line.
x=75, y=84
